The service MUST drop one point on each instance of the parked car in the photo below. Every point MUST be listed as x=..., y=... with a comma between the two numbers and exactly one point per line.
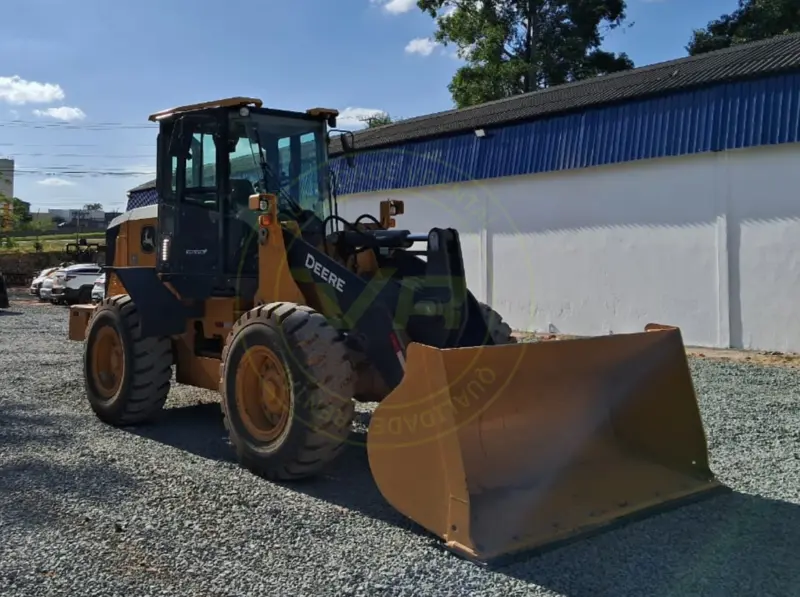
x=39, y=280
x=46, y=289
x=74, y=284
x=99, y=288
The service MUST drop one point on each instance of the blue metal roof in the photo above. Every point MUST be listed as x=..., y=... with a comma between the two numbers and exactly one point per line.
x=734, y=115
x=729, y=116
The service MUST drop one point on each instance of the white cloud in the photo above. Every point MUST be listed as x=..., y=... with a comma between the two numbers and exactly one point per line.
x=397, y=7
x=17, y=91
x=464, y=53
x=56, y=182
x=65, y=113
x=421, y=46
x=447, y=11
x=351, y=118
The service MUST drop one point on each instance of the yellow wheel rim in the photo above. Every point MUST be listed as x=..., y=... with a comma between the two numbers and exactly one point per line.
x=108, y=363
x=262, y=393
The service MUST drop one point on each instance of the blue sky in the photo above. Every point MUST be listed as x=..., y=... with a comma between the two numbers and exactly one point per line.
x=78, y=79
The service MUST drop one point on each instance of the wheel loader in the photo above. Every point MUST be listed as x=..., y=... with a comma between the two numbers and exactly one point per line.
x=243, y=279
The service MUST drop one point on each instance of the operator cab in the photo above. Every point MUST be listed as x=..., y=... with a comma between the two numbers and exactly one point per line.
x=211, y=158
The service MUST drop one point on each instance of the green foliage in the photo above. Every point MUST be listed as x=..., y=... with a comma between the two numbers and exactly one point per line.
x=93, y=206
x=18, y=217
x=751, y=21
x=518, y=46
x=379, y=119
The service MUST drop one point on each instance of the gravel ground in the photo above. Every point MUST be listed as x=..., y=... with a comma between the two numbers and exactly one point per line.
x=90, y=510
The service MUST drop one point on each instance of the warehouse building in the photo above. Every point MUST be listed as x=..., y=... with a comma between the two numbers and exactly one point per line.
x=663, y=194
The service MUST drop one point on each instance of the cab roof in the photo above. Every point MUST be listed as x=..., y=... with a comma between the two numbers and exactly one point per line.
x=232, y=102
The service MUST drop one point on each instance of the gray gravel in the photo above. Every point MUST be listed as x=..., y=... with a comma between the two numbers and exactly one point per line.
x=90, y=510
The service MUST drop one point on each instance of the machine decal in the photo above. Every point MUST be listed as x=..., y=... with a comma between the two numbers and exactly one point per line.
x=324, y=273
x=148, y=239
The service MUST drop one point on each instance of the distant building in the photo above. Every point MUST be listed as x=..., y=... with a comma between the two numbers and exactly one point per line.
x=6, y=192
x=7, y=177
x=78, y=216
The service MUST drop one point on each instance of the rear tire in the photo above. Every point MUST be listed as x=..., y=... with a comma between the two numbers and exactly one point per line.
x=316, y=388
x=499, y=330
x=131, y=387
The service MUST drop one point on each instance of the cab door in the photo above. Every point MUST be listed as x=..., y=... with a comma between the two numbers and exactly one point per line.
x=195, y=219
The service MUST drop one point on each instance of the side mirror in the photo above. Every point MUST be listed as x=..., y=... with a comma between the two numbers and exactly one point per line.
x=348, y=145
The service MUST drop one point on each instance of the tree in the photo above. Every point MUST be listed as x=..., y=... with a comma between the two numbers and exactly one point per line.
x=518, y=46
x=93, y=206
x=22, y=211
x=18, y=217
x=752, y=21
x=379, y=119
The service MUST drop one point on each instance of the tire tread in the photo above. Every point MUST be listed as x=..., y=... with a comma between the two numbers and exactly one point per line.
x=327, y=394
x=151, y=373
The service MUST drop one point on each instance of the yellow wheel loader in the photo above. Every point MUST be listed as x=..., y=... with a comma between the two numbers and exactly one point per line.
x=244, y=279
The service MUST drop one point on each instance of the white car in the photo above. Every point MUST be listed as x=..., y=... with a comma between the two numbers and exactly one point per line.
x=74, y=284
x=46, y=289
x=99, y=288
x=39, y=280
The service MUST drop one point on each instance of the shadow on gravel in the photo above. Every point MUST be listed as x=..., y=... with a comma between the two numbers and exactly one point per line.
x=46, y=471
x=197, y=429
x=26, y=426
x=735, y=544
x=732, y=544
x=347, y=482
x=7, y=313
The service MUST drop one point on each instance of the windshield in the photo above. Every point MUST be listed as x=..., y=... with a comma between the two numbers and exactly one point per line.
x=294, y=153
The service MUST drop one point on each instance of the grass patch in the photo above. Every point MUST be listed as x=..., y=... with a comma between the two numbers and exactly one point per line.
x=27, y=244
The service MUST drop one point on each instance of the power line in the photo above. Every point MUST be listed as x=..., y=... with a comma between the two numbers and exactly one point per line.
x=130, y=156
x=70, y=145
x=77, y=172
x=86, y=126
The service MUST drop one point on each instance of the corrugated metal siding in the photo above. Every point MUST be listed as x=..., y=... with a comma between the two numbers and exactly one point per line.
x=141, y=199
x=731, y=116
x=776, y=55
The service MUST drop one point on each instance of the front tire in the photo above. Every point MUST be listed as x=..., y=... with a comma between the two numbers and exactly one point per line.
x=286, y=385
x=127, y=377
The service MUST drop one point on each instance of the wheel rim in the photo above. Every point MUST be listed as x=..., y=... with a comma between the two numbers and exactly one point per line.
x=262, y=393
x=108, y=364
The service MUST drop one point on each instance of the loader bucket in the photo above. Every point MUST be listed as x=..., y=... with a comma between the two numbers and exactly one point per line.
x=501, y=449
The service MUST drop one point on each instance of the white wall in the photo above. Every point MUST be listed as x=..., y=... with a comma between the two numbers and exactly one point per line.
x=710, y=243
